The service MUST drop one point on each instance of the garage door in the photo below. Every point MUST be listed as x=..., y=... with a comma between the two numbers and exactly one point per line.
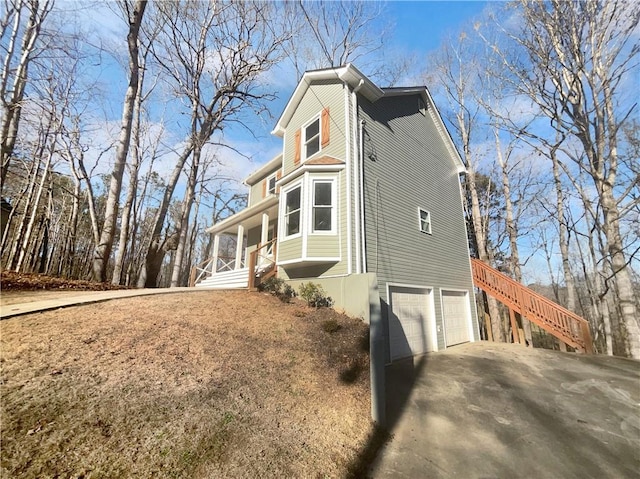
x=409, y=321
x=455, y=308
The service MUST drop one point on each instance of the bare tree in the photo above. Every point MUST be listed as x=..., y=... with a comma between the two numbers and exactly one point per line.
x=454, y=71
x=21, y=26
x=577, y=55
x=213, y=54
x=332, y=34
x=134, y=13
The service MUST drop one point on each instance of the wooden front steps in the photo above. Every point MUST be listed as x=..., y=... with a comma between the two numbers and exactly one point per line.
x=565, y=325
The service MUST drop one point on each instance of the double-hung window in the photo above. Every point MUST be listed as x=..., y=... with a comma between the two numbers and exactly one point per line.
x=323, y=207
x=425, y=220
x=292, y=211
x=312, y=138
x=271, y=184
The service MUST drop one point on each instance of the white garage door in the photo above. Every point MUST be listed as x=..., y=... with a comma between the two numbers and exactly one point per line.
x=409, y=321
x=455, y=308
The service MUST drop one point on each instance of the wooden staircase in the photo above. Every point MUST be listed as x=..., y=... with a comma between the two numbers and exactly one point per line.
x=565, y=325
x=262, y=263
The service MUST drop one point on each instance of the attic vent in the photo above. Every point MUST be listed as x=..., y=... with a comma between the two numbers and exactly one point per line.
x=422, y=106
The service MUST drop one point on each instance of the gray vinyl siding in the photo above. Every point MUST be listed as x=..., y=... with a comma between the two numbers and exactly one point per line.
x=407, y=166
x=319, y=96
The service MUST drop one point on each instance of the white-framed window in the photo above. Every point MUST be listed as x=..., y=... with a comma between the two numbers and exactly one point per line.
x=311, y=138
x=424, y=218
x=271, y=184
x=292, y=208
x=323, y=206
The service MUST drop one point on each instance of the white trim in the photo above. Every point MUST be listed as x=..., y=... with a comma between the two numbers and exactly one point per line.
x=469, y=315
x=312, y=259
x=253, y=178
x=282, y=220
x=348, y=155
x=264, y=231
x=303, y=137
x=239, y=247
x=243, y=215
x=333, y=181
x=348, y=73
x=431, y=310
x=311, y=169
x=273, y=176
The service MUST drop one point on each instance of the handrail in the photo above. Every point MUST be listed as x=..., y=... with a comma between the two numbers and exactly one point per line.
x=253, y=260
x=223, y=263
x=553, y=318
x=202, y=266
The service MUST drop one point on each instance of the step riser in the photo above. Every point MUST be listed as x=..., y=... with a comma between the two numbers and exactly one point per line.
x=227, y=280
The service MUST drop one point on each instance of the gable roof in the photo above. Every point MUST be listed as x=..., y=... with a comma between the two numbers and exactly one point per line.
x=348, y=73
x=435, y=116
x=263, y=170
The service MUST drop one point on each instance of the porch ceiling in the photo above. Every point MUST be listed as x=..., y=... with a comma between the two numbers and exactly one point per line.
x=249, y=217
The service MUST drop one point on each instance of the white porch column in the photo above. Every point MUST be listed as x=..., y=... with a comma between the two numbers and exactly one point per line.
x=264, y=236
x=239, y=247
x=216, y=248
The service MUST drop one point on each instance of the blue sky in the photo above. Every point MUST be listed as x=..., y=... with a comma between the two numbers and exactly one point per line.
x=416, y=29
x=421, y=26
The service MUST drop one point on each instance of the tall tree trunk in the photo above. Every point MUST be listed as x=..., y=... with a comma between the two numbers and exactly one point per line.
x=24, y=247
x=12, y=102
x=157, y=247
x=184, y=216
x=132, y=187
x=102, y=251
x=512, y=232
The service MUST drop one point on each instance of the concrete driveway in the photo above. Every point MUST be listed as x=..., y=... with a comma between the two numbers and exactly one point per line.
x=487, y=410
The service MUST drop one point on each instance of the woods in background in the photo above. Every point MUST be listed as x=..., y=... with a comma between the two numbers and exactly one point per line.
x=540, y=98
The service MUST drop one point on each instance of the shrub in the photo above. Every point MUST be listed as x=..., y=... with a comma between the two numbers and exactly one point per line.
x=278, y=288
x=314, y=295
x=330, y=326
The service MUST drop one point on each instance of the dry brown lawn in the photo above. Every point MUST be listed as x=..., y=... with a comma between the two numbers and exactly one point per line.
x=201, y=384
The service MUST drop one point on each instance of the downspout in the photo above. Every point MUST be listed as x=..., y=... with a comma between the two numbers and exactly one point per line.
x=358, y=197
x=349, y=156
x=362, y=238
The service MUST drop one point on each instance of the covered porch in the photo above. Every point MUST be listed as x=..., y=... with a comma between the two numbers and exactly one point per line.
x=242, y=243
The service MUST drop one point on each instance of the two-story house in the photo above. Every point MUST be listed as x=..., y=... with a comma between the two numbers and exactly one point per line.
x=368, y=181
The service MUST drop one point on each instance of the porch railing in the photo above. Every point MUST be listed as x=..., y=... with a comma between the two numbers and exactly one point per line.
x=565, y=325
x=262, y=263
x=205, y=268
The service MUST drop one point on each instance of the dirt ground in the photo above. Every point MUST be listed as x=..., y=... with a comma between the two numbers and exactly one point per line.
x=198, y=384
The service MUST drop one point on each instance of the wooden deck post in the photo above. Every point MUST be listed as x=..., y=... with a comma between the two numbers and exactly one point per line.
x=514, y=326
x=252, y=270
x=192, y=277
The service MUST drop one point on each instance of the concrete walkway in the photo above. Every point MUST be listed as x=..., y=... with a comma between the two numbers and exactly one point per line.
x=487, y=410
x=25, y=302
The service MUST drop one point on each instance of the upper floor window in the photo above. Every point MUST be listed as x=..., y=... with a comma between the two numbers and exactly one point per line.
x=425, y=220
x=323, y=206
x=311, y=134
x=312, y=137
x=292, y=211
x=271, y=184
